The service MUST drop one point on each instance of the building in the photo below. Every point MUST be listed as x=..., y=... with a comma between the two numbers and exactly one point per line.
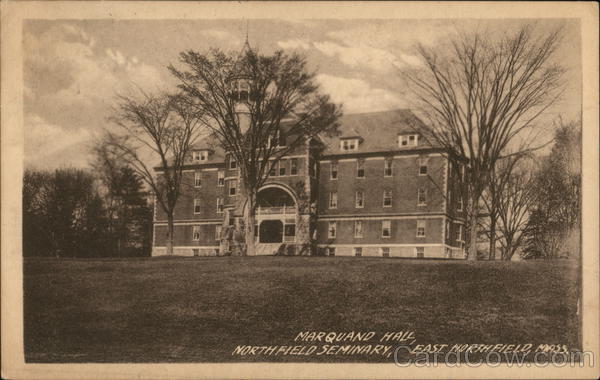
x=376, y=189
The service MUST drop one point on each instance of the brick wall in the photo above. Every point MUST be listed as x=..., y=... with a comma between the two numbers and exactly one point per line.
x=404, y=184
x=403, y=231
x=183, y=235
x=207, y=193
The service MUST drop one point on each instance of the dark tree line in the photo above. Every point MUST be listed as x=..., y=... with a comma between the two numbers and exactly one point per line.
x=74, y=213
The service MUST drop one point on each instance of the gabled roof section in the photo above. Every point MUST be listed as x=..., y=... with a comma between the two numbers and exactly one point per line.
x=378, y=130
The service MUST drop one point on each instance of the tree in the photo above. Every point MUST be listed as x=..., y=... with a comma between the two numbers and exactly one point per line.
x=281, y=101
x=36, y=239
x=63, y=214
x=482, y=96
x=556, y=217
x=128, y=213
x=514, y=208
x=497, y=196
x=160, y=126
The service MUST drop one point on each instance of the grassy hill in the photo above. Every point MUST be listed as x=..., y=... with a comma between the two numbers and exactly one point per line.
x=200, y=309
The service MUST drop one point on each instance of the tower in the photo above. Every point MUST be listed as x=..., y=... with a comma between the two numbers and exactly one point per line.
x=242, y=87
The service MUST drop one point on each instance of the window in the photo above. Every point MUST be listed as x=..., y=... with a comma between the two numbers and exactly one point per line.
x=232, y=188
x=459, y=233
x=219, y=205
x=243, y=91
x=385, y=251
x=420, y=252
x=332, y=230
x=360, y=169
x=386, y=228
x=357, y=251
x=197, y=208
x=423, y=165
x=217, y=232
x=420, y=228
x=358, y=229
x=447, y=230
x=274, y=139
x=333, y=199
x=459, y=203
x=408, y=140
x=200, y=155
x=359, y=201
x=277, y=139
x=294, y=166
x=289, y=229
x=273, y=170
x=196, y=233
x=422, y=197
x=197, y=179
x=282, y=167
x=281, y=138
x=221, y=178
x=333, y=174
x=387, y=167
x=232, y=162
x=387, y=198
x=349, y=144
x=331, y=251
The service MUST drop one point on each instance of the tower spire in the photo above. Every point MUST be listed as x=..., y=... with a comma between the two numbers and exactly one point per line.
x=246, y=43
x=247, y=29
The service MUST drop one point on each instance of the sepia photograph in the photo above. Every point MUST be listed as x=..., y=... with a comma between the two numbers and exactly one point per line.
x=244, y=189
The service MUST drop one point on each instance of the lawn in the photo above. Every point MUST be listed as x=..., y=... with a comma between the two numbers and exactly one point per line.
x=200, y=309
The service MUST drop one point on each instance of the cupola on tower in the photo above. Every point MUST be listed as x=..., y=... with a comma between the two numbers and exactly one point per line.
x=241, y=88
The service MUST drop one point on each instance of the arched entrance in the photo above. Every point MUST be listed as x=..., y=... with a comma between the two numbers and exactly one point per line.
x=270, y=197
x=276, y=215
x=270, y=231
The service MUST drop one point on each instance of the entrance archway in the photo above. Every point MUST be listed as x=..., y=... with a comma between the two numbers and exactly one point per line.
x=274, y=197
x=276, y=215
x=270, y=231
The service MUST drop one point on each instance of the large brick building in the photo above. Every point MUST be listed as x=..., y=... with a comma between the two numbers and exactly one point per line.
x=375, y=189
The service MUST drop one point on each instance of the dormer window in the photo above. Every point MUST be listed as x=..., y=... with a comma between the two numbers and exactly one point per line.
x=408, y=140
x=232, y=162
x=200, y=155
x=349, y=144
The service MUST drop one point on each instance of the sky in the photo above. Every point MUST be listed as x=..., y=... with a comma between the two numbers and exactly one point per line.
x=73, y=69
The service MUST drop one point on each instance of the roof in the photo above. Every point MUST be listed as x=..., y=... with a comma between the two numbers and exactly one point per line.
x=378, y=130
x=240, y=67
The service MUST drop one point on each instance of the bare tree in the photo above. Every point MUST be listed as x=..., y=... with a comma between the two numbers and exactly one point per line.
x=122, y=190
x=481, y=97
x=156, y=126
x=495, y=195
x=514, y=208
x=280, y=100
